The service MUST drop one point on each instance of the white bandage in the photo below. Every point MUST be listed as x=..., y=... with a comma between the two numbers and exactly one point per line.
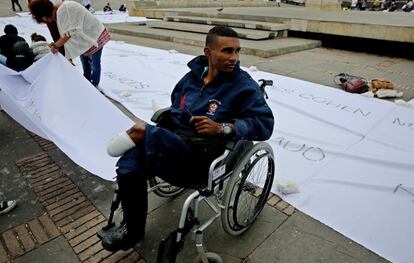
x=119, y=144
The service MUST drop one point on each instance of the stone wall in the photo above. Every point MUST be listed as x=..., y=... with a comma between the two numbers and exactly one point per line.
x=140, y=7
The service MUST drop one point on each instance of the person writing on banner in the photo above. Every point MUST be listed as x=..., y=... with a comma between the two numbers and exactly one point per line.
x=215, y=102
x=81, y=33
x=107, y=8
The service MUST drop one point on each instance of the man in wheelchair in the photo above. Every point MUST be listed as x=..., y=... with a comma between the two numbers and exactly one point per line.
x=213, y=103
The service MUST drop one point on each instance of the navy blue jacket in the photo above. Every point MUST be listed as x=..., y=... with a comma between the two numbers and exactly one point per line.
x=234, y=97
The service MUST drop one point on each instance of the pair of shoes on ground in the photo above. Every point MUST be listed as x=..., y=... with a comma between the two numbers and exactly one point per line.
x=119, y=238
x=7, y=206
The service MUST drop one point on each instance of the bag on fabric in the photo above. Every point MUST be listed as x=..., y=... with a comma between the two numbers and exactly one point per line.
x=377, y=84
x=355, y=86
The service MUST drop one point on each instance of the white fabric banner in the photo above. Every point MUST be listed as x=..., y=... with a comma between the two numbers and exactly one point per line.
x=62, y=106
x=352, y=157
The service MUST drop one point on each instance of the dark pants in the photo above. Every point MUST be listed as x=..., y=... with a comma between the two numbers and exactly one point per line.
x=163, y=154
x=17, y=3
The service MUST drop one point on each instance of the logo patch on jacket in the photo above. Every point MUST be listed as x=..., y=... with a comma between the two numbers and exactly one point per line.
x=213, y=106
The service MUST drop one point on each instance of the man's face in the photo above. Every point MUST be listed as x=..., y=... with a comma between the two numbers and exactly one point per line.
x=223, y=54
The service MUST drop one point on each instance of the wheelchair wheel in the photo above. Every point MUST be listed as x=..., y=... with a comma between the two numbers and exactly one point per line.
x=164, y=191
x=248, y=189
x=211, y=257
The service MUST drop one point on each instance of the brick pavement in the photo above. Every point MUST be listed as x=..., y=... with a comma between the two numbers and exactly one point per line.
x=69, y=214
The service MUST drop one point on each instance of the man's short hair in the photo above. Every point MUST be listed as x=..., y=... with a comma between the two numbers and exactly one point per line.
x=40, y=9
x=10, y=30
x=219, y=31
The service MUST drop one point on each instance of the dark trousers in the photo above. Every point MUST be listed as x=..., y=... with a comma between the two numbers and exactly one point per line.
x=17, y=3
x=163, y=154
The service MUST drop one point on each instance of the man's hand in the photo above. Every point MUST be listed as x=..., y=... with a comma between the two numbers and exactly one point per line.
x=205, y=125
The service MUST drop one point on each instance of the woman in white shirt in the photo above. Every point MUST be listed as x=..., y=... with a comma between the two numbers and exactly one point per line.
x=81, y=33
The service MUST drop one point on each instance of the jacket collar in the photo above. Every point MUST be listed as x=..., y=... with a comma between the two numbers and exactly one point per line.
x=198, y=64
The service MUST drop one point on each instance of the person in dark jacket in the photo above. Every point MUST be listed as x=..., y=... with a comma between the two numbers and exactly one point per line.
x=216, y=101
x=22, y=57
x=7, y=41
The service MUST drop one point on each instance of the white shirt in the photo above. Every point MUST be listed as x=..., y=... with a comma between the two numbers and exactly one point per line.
x=84, y=28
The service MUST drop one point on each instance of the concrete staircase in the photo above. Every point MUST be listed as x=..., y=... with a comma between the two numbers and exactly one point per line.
x=258, y=38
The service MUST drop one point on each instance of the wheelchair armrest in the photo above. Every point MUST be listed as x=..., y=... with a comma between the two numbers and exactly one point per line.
x=159, y=114
x=216, y=169
x=225, y=162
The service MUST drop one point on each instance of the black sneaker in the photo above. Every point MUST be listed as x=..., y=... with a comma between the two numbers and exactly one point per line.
x=7, y=206
x=119, y=238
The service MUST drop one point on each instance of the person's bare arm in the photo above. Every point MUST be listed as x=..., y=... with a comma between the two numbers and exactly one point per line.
x=54, y=47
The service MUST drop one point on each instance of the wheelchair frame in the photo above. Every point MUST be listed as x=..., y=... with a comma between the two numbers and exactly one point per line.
x=218, y=176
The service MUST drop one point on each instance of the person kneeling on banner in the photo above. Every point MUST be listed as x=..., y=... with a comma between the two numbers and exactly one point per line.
x=14, y=51
x=81, y=33
x=39, y=46
x=215, y=102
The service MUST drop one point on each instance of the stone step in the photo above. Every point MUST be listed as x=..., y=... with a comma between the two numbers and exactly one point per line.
x=199, y=28
x=263, y=48
x=228, y=22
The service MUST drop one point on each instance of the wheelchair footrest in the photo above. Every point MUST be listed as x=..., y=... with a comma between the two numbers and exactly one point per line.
x=169, y=249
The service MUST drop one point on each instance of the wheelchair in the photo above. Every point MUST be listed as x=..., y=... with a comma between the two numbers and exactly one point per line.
x=240, y=179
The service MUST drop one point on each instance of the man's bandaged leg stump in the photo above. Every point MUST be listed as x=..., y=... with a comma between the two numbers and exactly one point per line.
x=119, y=144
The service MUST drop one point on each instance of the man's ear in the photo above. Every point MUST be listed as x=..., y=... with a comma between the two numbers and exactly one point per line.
x=207, y=51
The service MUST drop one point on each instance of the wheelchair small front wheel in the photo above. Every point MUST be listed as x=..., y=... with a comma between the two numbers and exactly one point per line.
x=211, y=257
x=164, y=191
x=248, y=188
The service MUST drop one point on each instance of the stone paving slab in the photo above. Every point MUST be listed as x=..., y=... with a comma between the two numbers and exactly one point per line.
x=199, y=28
x=303, y=239
x=260, y=25
x=394, y=26
x=56, y=250
x=263, y=48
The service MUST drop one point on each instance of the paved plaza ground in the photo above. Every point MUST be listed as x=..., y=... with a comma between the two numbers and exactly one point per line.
x=56, y=221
